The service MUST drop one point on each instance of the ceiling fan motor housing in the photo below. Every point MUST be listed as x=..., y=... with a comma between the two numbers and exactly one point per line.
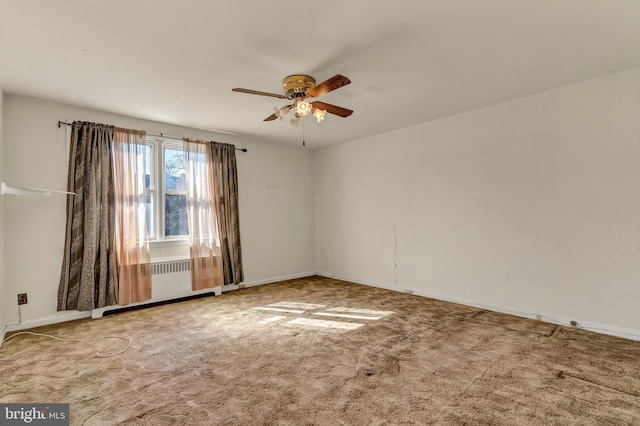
x=297, y=85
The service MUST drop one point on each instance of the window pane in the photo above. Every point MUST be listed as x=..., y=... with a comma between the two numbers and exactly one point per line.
x=174, y=170
x=150, y=214
x=147, y=166
x=175, y=215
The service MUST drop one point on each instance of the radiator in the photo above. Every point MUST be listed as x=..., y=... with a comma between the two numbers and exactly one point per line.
x=170, y=267
x=169, y=280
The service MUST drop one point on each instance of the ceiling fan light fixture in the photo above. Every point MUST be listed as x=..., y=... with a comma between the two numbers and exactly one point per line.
x=319, y=114
x=297, y=122
x=281, y=112
x=303, y=107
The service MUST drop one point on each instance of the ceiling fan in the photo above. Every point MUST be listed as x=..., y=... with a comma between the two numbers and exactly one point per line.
x=299, y=88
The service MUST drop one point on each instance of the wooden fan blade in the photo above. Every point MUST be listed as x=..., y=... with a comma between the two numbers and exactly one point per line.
x=335, y=82
x=342, y=112
x=256, y=92
x=273, y=116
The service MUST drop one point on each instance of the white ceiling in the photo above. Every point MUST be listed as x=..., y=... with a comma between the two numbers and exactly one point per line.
x=409, y=61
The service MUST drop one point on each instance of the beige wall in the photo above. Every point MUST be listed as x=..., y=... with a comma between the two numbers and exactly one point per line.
x=276, y=201
x=530, y=206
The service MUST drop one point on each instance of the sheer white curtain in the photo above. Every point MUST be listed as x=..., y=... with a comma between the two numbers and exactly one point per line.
x=204, y=238
x=132, y=245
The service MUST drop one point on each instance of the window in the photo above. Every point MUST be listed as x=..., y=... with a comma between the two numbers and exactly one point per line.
x=174, y=193
x=150, y=188
x=166, y=191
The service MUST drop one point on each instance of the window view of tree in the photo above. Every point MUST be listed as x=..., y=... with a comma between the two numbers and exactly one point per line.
x=175, y=201
x=175, y=215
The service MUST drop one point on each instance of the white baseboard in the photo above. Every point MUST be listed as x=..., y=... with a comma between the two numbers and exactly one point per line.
x=39, y=322
x=626, y=333
x=97, y=313
x=277, y=279
x=232, y=287
x=53, y=319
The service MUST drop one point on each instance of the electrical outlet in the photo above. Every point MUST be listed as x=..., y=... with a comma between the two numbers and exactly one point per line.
x=22, y=299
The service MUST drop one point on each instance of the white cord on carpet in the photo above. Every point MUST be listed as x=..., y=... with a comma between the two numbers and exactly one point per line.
x=98, y=354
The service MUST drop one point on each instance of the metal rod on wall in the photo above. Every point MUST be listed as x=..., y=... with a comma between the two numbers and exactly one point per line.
x=162, y=135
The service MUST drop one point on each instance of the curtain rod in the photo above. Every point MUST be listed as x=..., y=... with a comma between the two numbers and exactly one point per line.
x=162, y=135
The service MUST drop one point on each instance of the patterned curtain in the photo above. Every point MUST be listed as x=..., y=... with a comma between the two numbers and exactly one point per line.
x=132, y=245
x=88, y=279
x=225, y=171
x=204, y=249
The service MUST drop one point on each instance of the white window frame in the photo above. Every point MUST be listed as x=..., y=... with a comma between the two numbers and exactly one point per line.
x=178, y=146
x=157, y=188
x=153, y=187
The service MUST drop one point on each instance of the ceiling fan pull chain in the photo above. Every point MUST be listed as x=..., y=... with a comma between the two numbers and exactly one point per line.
x=304, y=132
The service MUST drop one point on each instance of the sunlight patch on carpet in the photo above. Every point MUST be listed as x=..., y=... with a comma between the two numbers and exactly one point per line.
x=291, y=311
x=272, y=319
x=304, y=313
x=361, y=311
x=332, y=314
x=326, y=324
x=297, y=305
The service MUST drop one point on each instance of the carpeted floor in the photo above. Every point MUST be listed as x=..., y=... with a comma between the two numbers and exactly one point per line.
x=317, y=351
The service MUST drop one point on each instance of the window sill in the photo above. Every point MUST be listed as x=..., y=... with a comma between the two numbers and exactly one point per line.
x=169, y=243
x=169, y=249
